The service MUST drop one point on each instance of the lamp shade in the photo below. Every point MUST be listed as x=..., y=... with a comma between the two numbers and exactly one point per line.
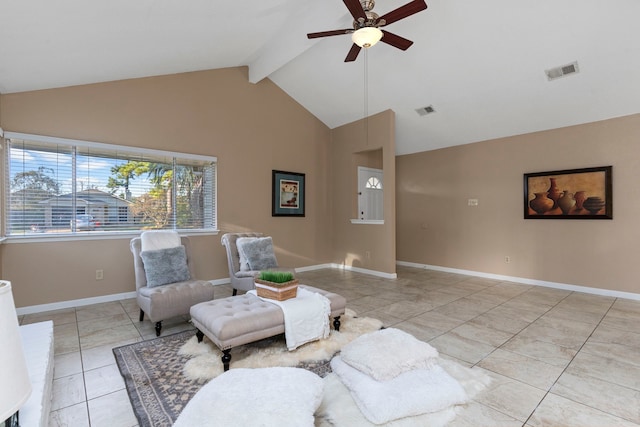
x=367, y=36
x=15, y=386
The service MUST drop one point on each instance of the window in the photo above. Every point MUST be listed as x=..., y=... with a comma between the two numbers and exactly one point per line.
x=58, y=186
x=373, y=183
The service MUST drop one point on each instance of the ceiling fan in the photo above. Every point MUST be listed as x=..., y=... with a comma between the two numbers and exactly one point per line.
x=366, y=32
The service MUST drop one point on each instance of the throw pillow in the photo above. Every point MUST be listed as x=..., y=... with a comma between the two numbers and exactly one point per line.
x=164, y=266
x=244, y=264
x=373, y=354
x=258, y=253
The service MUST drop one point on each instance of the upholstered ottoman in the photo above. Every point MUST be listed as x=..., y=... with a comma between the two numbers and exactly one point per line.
x=238, y=320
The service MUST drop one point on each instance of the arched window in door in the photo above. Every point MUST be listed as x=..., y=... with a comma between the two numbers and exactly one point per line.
x=374, y=183
x=370, y=194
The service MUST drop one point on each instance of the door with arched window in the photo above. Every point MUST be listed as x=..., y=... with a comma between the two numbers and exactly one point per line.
x=370, y=194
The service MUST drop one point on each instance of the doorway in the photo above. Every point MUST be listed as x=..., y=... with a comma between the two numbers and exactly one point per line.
x=370, y=194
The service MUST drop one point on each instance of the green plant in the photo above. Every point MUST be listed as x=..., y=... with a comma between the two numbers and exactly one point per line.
x=276, y=276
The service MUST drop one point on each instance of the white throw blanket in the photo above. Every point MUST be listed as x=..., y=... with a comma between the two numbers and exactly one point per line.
x=306, y=317
x=412, y=393
x=159, y=239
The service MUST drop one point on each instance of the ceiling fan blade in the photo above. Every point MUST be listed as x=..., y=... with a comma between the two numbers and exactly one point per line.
x=329, y=33
x=403, y=11
x=395, y=40
x=353, y=53
x=355, y=8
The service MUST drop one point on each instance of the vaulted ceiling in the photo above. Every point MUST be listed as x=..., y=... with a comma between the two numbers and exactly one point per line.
x=480, y=64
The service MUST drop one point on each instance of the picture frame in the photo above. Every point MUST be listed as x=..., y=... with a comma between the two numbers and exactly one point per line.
x=569, y=194
x=288, y=193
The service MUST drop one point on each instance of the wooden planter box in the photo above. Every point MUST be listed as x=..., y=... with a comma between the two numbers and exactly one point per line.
x=277, y=291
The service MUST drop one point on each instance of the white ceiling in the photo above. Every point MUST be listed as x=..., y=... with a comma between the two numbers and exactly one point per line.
x=480, y=63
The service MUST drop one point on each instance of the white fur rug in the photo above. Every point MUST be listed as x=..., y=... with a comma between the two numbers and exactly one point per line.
x=206, y=360
x=338, y=409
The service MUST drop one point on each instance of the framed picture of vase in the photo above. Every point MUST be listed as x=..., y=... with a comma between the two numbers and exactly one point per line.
x=288, y=190
x=569, y=194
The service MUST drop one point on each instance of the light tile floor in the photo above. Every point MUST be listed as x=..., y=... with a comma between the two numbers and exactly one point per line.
x=555, y=357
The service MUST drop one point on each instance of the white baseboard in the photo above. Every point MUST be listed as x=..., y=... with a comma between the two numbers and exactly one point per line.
x=555, y=285
x=73, y=303
x=216, y=282
x=365, y=271
x=314, y=267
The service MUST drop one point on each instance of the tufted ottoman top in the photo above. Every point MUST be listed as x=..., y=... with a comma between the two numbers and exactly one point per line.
x=237, y=320
x=242, y=319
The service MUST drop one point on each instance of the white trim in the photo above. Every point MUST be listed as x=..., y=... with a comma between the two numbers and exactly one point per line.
x=91, y=144
x=73, y=303
x=313, y=267
x=367, y=221
x=96, y=235
x=92, y=300
x=534, y=282
x=365, y=271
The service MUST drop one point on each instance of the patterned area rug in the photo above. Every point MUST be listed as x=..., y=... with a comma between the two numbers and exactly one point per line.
x=152, y=372
x=159, y=386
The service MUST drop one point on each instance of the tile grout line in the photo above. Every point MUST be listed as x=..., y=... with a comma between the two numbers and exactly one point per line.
x=547, y=392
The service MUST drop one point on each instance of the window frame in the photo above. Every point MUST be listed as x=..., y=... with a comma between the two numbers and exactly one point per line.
x=5, y=180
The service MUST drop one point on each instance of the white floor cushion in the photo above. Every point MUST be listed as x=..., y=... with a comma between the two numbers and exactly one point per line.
x=412, y=393
x=282, y=397
x=385, y=354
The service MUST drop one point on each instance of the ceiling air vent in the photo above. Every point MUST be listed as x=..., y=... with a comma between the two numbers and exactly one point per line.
x=565, y=70
x=425, y=110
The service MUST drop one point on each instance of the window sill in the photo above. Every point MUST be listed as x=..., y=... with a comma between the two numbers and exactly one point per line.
x=34, y=238
x=367, y=221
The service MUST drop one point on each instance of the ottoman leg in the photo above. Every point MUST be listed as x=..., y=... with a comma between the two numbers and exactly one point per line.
x=158, y=328
x=141, y=315
x=199, y=335
x=226, y=359
x=336, y=323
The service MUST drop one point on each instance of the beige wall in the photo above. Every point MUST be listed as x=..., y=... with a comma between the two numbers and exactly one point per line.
x=351, y=146
x=436, y=227
x=252, y=129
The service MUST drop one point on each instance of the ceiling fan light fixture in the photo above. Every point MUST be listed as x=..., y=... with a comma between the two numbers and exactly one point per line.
x=367, y=36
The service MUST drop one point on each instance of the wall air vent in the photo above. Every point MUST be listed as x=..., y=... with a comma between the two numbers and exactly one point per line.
x=425, y=110
x=565, y=70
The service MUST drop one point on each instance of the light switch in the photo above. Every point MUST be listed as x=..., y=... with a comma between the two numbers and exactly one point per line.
x=472, y=202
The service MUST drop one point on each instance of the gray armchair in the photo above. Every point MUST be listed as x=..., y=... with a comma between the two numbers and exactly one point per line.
x=170, y=300
x=241, y=280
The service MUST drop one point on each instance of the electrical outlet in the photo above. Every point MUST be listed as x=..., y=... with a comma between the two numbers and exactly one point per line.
x=507, y=259
x=99, y=274
x=472, y=202
x=367, y=254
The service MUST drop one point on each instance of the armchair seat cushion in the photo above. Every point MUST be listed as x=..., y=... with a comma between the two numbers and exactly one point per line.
x=175, y=299
x=247, y=273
